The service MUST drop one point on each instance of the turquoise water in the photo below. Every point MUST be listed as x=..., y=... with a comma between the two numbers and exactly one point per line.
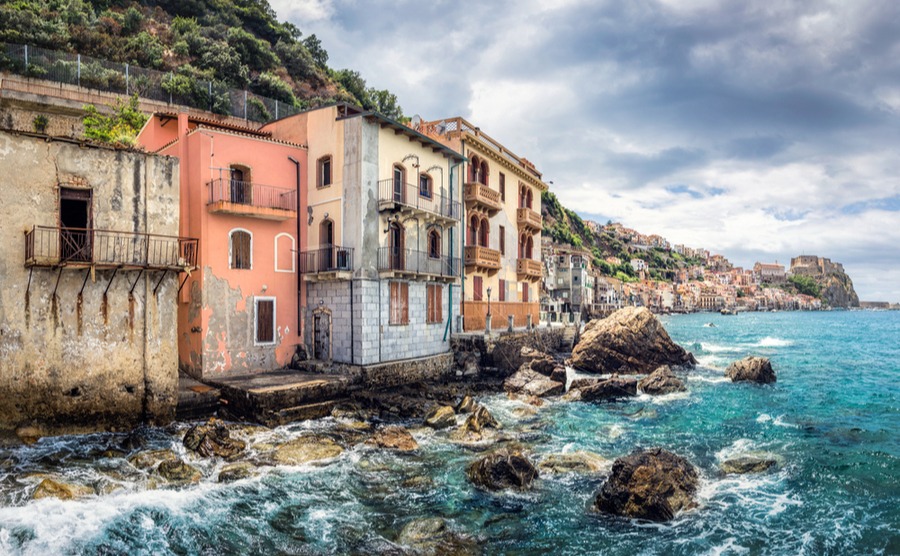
x=832, y=420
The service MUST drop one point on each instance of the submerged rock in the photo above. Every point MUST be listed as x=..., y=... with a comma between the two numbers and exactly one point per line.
x=747, y=464
x=236, y=472
x=49, y=488
x=395, y=438
x=178, y=472
x=441, y=417
x=661, y=381
x=532, y=383
x=649, y=484
x=480, y=419
x=502, y=469
x=610, y=389
x=434, y=536
x=306, y=449
x=631, y=340
x=751, y=369
x=574, y=462
x=213, y=439
x=151, y=458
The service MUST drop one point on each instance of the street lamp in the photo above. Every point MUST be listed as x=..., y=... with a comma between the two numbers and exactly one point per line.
x=489, y=301
x=487, y=318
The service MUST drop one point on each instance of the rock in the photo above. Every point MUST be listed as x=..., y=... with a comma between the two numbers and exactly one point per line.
x=467, y=405
x=146, y=460
x=747, y=464
x=480, y=419
x=235, y=472
x=306, y=449
x=579, y=383
x=441, y=417
x=49, y=488
x=661, y=381
x=538, y=361
x=395, y=438
x=502, y=469
x=631, y=340
x=213, y=439
x=574, y=462
x=432, y=536
x=751, y=369
x=649, y=484
x=609, y=389
x=178, y=472
x=559, y=374
x=527, y=381
x=29, y=435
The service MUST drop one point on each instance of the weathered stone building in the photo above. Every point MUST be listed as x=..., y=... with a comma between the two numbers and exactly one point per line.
x=90, y=265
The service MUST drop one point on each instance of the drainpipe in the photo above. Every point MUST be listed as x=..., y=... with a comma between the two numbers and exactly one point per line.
x=462, y=240
x=449, y=326
x=299, y=247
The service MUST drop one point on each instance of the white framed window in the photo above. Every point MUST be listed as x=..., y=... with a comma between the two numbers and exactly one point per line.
x=264, y=321
x=240, y=249
x=285, y=259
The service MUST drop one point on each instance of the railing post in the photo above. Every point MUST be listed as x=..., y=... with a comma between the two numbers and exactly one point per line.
x=26, y=59
x=79, y=70
x=245, y=104
x=126, y=79
x=276, y=109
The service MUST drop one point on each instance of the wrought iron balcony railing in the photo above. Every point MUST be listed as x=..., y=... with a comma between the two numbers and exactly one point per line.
x=410, y=261
x=395, y=193
x=252, y=194
x=47, y=246
x=330, y=258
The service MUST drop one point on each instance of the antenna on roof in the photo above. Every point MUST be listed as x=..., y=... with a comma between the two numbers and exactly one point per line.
x=416, y=122
x=441, y=127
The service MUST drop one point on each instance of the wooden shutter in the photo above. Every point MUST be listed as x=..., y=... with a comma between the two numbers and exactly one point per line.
x=476, y=288
x=502, y=240
x=434, y=293
x=525, y=292
x=502, y=295
x=399, y=303
x=265, y=321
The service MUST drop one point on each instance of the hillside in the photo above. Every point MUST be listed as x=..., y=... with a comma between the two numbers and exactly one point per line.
x=237, y=43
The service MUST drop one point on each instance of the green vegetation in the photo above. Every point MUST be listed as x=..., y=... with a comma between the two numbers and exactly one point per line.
x=119, y=128
x=805, y=284
x=233, y=43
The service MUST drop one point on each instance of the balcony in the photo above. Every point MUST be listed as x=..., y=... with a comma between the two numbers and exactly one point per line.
x=244, y=198
x=50, y=247
x=481, y=196
x=529, y=219
x=326, y=263
x=482, y=257
x=409, y=262
x=529, y=269
x=394, y=195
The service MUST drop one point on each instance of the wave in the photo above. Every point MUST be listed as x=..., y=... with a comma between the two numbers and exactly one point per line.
x=769, y=341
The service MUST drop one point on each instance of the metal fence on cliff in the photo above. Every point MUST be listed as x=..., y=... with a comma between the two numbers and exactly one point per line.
x=115, y=77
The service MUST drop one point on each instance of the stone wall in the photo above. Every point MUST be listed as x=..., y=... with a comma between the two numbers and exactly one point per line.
x=100, y=352
x=502, y=351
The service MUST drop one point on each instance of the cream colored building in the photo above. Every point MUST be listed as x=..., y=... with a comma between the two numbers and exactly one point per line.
x=502, y=218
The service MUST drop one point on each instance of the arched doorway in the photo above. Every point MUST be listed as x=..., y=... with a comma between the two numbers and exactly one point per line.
x=397, y=240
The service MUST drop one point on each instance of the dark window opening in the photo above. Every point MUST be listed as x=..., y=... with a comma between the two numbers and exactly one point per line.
x=75, y=223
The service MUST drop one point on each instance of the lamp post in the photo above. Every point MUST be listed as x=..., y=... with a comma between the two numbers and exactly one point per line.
x=487, y=318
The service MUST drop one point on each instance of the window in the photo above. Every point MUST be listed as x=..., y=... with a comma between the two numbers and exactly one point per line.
x=434, y=313
x=240, y=249
x=502, y=187
x=477, y=283
x=398, y=191
x=485, y=231
x=399, y=303
x=284, y=253
x=425, y=186
x=323, y=171
x=265, y=321
x=524, y=292
x=241, y=190
x=502, y=240
x=75, y=222
x=502, y=295
x=434, y=244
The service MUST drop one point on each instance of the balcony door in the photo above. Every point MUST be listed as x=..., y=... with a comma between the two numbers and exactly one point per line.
x=76, y=223
x=326, y=243
x=396, y=251
x=239, y=186
x=398, y=184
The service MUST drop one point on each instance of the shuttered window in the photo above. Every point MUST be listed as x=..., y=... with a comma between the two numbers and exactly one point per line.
x=240, y=250
x=323, y=171
x=477, y=284
x=502, y=239
x=502, y=295
x=399, y=303
x=265, y=321
x=434, y=313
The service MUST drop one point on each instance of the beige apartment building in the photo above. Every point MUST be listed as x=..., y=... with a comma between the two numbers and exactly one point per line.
x=502, y=222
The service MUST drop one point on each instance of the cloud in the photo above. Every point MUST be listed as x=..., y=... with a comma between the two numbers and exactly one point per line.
x=757, y=129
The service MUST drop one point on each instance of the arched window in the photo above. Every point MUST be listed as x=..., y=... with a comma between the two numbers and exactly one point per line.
x=529, y=247
x=240, y=189
x=240, y=249
x=528, y=197
x=474, y=169
x=485, y=231
x=522, y=246
x=399, y=183
x=522, y=193
x=484, y=172
x=284, y=253
x=434, y=244
x=396, y=250
x=426, y=188
x=474, y=221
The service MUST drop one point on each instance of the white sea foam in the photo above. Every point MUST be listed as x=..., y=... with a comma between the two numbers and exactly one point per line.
x=769, y=341
x=777, y=421
x=718, y=348
x=730, y=546
x=710, y=379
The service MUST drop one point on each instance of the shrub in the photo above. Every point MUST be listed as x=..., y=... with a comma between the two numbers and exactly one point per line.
x=119, y=128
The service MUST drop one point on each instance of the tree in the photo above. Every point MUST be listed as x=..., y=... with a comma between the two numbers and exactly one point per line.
x=314, y=47
x=385, y=102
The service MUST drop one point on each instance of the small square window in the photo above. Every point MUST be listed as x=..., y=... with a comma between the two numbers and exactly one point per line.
x=265, y=321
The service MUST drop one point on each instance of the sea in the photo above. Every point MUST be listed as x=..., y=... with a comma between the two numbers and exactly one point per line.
x=831, y=421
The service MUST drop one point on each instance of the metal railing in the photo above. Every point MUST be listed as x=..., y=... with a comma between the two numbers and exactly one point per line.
x=252, y=194
x=412, y=261
x=331, y=258
x=115, y=77
x=49, y=246
x=393, y=191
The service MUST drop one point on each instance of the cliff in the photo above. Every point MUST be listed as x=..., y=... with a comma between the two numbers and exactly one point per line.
x=837, y=290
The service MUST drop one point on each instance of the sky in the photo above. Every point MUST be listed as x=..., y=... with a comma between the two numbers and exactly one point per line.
x=760, y=130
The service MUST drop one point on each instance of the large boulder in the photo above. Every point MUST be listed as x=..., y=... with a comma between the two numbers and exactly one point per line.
x=49, y=488
x=527, y=381
x=539, y=361
x=306, y=449
x=213, y=440
x=480, y=419
x=631, y=340
x=236, y=471
x=649, y=484
x=466, y=405
x=502, y=469
x=441, y=417
x=433, y=536
x=661, y=381
x=394, y=437
x=751, y=369
x=178, y=471
x=151, y=458
x=609, y=389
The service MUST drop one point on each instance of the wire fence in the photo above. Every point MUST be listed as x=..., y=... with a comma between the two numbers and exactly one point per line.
x=115, y=77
